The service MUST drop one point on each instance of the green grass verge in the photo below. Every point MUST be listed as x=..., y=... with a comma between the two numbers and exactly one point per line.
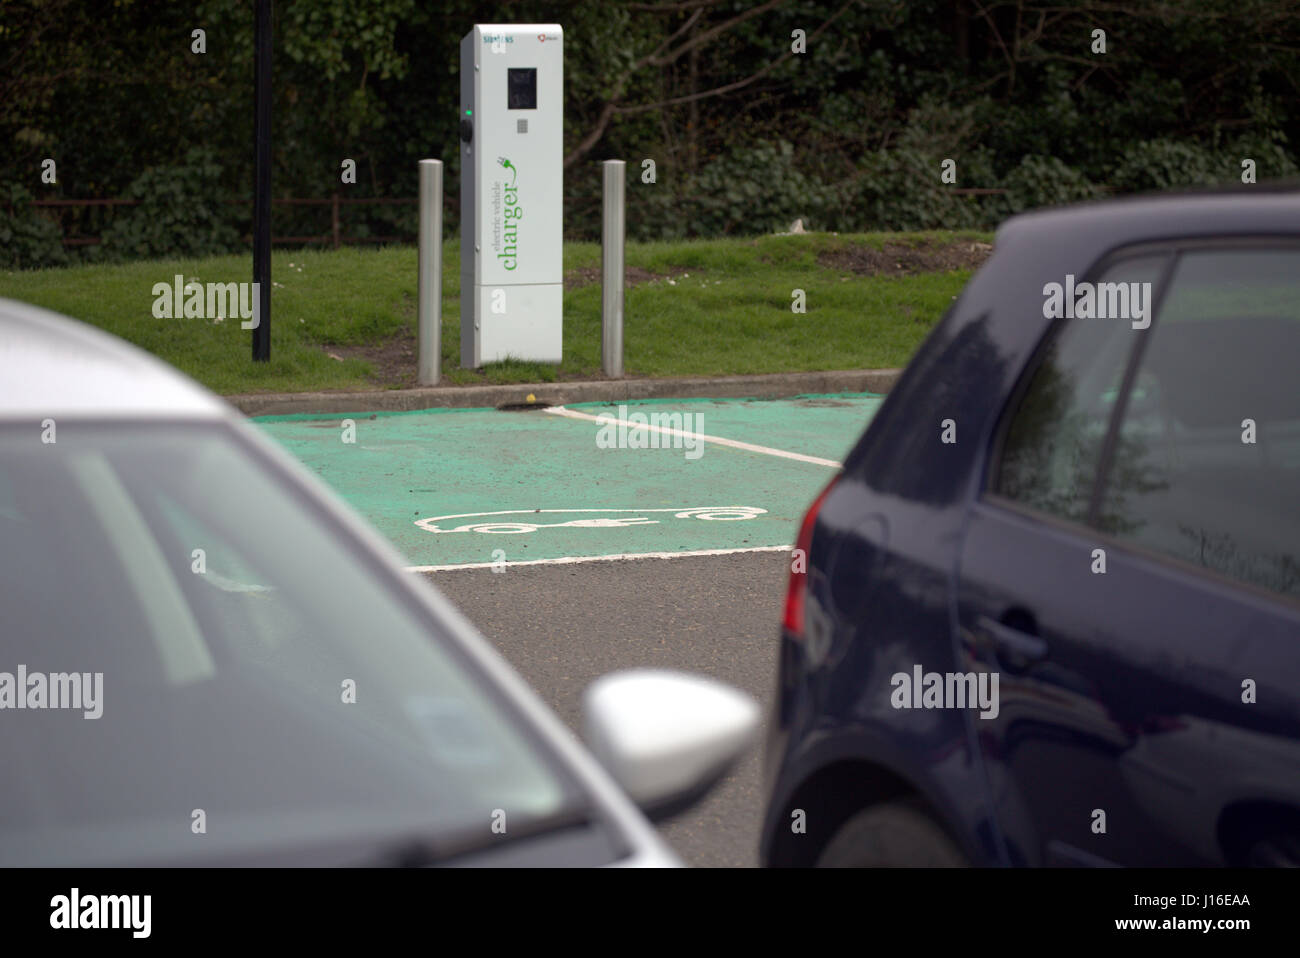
x=730, y=314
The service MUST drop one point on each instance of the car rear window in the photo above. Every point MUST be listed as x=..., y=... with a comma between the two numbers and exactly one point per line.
x=1052, y=450
x=1206, y=468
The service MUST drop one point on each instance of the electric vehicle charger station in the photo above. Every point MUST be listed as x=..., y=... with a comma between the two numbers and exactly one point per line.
x=511, y=193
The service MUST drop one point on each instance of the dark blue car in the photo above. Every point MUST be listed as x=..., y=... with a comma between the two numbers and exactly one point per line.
x=1051, y=606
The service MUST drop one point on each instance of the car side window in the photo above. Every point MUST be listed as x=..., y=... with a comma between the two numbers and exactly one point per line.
x=1052, y=447
x=1206, y=466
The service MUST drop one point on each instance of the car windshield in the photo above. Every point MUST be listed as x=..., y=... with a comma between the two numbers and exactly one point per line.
x=195, y=663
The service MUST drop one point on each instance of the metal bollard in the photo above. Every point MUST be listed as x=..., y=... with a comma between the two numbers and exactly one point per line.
x=611, y=264
x=429, y=305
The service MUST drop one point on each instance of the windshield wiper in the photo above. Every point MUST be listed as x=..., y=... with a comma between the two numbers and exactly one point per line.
x=425, y=851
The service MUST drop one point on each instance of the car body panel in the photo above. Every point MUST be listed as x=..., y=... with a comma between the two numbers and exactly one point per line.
x=904, y=550
x=112, y=380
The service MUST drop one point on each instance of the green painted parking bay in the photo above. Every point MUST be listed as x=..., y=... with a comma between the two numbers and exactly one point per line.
x=478, y=486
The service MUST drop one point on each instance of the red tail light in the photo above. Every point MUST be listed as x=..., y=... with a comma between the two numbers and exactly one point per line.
x=798, y=589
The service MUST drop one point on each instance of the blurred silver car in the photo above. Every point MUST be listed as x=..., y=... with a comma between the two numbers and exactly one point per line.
x=206, y=658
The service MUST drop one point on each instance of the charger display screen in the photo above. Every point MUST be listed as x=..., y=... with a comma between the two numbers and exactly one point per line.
x=521, y=88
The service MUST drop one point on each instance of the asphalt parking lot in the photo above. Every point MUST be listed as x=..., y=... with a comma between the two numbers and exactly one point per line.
x=576, y=560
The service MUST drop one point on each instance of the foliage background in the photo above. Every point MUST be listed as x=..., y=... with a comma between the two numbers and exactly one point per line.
x=745, y=135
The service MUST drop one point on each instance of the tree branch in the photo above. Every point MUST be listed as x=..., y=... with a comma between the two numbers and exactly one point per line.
x=997, y=35
x=709, y=34
x=592, y=138
x=727, y=88
x=672, y=7
x=612, y=107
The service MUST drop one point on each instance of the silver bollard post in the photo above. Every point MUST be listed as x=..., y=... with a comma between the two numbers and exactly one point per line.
x=611, y=264
x=429, y=305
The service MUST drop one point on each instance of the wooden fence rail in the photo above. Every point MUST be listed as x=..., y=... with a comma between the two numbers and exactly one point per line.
x=335, y=202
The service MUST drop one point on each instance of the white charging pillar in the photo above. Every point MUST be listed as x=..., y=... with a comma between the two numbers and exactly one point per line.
x=511, y=193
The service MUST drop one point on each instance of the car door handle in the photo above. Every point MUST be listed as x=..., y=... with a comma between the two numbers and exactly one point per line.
x=1022, y=645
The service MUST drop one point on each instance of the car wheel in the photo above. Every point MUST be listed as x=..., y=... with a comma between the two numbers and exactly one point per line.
x=1276, y=851
x=894, y=835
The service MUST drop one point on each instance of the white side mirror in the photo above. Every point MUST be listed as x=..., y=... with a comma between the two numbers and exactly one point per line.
x=666, y=737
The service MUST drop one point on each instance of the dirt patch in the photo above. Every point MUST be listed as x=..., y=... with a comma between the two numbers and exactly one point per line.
x=392, y=362
x=632, y=276
x=896, y=259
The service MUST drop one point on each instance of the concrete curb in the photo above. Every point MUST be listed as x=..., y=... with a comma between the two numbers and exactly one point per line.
x=775, y=386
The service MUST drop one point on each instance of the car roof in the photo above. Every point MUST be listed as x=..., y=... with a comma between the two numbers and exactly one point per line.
x=974, y=358
x=1048, y=245
x=54, y=366
x=1094, y=227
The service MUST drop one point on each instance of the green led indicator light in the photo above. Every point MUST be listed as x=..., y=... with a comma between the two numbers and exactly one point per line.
x=469, y=112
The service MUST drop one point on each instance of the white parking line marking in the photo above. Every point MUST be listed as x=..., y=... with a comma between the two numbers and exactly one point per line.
x=700, y=437
x=572, y=560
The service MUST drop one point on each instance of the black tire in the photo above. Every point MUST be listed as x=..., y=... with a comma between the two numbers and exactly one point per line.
x=1276, y=851
x=893, y=835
